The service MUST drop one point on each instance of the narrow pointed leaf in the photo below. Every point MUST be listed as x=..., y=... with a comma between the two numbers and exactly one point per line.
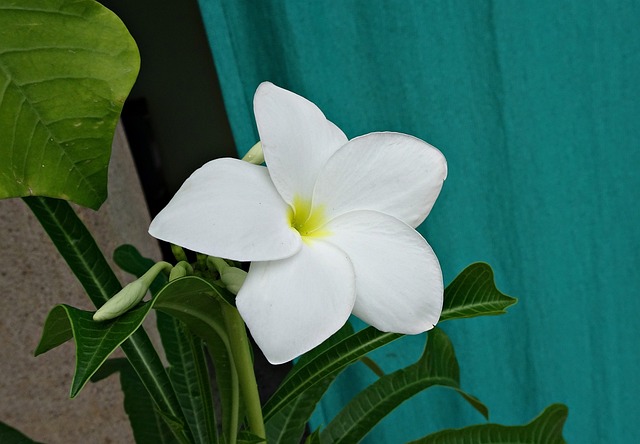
x=246, y=437
x=314, y=438
x=80, y=251
x=545, y=429
x=77, y=247
x=473, y=293
x=196, y=302
x=327, y=364
x=95, y=341
x=191, y=299
x=188, y=370
x=227, y=384
x=57, y=330
x=289, y=424
x=66, y=67
x=147, y=425
x=9, y=435
x=437, y=366
x=189, y=375
x=345, y=332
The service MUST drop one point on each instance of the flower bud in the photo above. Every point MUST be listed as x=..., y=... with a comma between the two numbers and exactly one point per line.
x=123, y=301
x=233, y=278
x=255, y=155
x=181, y=269
x=178, y=252
x=130, y=295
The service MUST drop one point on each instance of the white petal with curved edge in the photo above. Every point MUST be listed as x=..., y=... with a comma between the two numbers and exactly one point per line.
x=399, y=284
x=293, y=305
x=393, y=173
x=230, y=209
x=296, y=137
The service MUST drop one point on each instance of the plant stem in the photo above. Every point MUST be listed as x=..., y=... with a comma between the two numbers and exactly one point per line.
x=244, y=366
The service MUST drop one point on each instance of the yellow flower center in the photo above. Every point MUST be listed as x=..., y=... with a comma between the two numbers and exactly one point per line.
x=307, y=220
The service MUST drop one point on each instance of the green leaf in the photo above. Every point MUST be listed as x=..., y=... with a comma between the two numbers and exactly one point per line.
x=246, y=437
x=196, y=302
x=95, y=341
x=345, y=332
x=66, y=67
x=192, y=300
x=188, y=370
x=189, y=375
x=314, y=438
x=546, y=428
x=80, y=251
x=437, y=366
x=473, y=293
x=77, y=247
x=9, y=435
x=330, y=363
x=227, y=384
x=148, y=426
x=289, y=424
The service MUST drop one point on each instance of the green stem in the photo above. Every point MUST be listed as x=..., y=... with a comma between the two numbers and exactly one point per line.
x=244, y=366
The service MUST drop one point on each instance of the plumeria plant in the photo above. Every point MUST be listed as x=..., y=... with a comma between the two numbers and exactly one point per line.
x=326, y=230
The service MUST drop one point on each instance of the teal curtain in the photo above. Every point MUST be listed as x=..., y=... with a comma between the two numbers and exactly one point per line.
x=536, y=105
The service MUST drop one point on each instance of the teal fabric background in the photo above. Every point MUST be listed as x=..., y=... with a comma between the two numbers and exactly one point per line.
x=536, y=105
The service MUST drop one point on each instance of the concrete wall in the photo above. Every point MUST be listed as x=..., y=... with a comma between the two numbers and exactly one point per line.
x=34, y=392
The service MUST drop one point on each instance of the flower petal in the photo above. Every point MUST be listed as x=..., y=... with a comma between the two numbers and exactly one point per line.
x=393, y=173
x=230, y=209
x=294, y=304
x=296, y=137
x=399, y=284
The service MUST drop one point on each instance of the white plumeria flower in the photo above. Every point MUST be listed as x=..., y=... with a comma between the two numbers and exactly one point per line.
x=328, y=227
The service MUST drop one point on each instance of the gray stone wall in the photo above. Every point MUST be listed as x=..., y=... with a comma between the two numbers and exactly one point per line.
x=34, y=392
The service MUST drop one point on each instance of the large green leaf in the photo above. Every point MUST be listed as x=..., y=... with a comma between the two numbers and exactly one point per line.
x=437, y=366
x=79, y=250
x=66, y=67
x=545, y=429
x=148, y=426
x=9, y=435
x=472, y=293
